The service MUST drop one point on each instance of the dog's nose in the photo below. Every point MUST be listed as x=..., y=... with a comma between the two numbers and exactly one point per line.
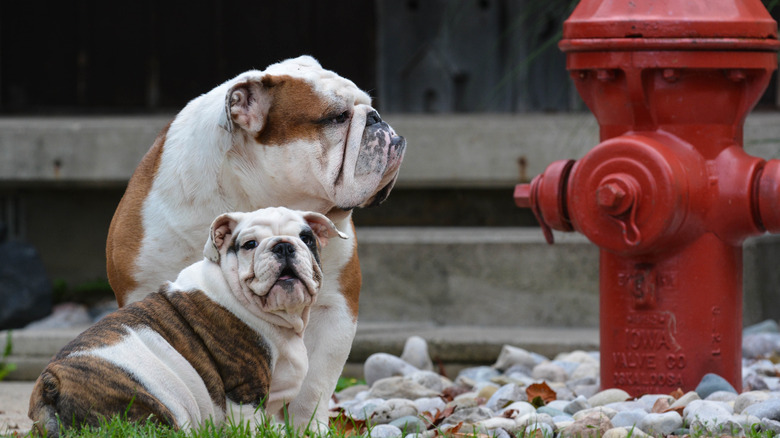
x=373, y=118
x=283, y=249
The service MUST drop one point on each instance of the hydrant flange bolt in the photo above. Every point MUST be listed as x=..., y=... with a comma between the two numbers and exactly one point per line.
x=736, y=75
x=605, y=75
x=671, y=75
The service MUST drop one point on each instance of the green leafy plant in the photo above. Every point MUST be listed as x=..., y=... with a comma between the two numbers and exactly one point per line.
x=5, y=367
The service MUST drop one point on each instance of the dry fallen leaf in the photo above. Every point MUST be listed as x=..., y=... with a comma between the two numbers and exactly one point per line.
x=661, y=405
x=435, y=419
x=449, y=393
x=541, y=390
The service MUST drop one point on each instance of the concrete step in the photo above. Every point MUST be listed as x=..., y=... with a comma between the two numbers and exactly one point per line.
x=510, y=277
x=477, y=276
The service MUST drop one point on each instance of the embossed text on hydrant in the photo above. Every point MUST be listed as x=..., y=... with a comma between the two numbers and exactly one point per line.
x=651, y=356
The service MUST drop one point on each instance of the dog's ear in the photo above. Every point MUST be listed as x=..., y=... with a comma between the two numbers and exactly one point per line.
x=219, y=235
x=322, y=227
x=246, y=105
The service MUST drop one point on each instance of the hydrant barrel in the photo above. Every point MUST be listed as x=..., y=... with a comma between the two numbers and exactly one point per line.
x=669, y=194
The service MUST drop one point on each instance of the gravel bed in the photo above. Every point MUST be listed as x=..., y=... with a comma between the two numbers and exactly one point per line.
x=526, y=394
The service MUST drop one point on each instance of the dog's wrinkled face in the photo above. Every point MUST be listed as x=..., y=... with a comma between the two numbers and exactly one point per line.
x=271, y=260
x=319, y=131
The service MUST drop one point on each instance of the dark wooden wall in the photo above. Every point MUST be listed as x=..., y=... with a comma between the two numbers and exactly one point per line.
x=438, y=56
x=107, y=56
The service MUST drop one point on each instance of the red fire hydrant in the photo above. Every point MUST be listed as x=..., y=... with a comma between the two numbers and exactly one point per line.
x=669, y=194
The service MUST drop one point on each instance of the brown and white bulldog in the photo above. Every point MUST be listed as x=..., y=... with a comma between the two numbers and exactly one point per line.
x=228, y=331
x=294, y=135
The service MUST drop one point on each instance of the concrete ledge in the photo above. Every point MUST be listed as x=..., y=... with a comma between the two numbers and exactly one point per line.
x=100, y=151
x=452, y=346
x=452, y=150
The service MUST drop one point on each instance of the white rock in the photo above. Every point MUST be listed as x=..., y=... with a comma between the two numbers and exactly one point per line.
x=393, y=409
x=541, y=428
x=497, y=423
x=399, y=387
x=468, y=416
x=649, y=400
x=624, y=432
x=585, y=370
x=722, y=396
x=362, y=410
x=749, y=398
x=416, y=353
x=558, y=404
x=661, y=424
x=533, y=419
x=628, y=418
x=684, y=400
x=578, y=356
x=609, y=412
x=705, y=411
x=511, y=356
x=385, y=431
x=517, y=409
x=627, y=405
x=429, y=379
x=382, y=365
x=577, y=405
x=429, y=404
x=607, y=396
x=550, y=372
x=505, y=396
x=616, y=432
x=593, y=425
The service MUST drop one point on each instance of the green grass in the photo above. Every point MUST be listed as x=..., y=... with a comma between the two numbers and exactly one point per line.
x=120, y=428
x=258, y=427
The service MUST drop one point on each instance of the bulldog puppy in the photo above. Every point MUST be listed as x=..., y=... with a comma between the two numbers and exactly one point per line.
x=228, y=331
x=294, y=135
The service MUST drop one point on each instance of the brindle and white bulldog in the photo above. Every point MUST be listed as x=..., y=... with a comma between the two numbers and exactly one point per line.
x=294, y=135
x=228, y=331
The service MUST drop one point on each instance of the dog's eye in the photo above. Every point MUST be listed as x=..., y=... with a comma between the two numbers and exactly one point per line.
x=307, y=238
x=341, y=118
x=249, y=244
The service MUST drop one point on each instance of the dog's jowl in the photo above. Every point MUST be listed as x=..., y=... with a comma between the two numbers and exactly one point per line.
x=228, y=331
